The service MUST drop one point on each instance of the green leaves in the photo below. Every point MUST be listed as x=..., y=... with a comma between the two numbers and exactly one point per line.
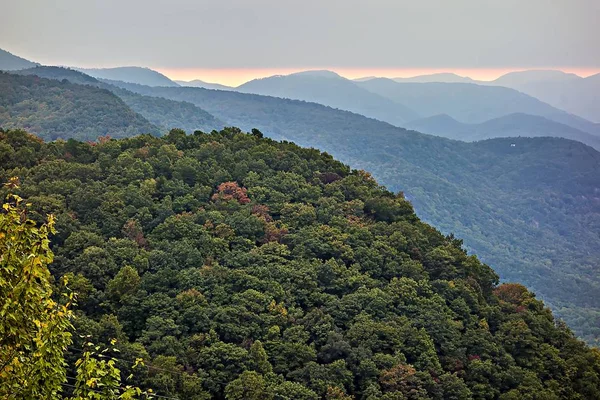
x=34, y=328
x=98, y=377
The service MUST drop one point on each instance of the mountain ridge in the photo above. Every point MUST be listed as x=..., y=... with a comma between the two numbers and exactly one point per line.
x=132, y=74
x=440, y=77
x=203, y=84
x=516, y=124
x=570, y=92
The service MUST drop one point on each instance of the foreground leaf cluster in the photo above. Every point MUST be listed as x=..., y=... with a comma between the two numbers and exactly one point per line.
x=35, y=327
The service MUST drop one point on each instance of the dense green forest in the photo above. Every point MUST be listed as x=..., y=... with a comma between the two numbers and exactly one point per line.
x=243, y=268
x=530, y=211
x=60, y=109
x=161, y=112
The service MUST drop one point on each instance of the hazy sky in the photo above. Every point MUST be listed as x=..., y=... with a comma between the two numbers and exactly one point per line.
x=184, y=36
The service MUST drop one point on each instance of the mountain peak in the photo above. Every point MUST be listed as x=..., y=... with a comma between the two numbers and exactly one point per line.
x=534, y=75
x=131, y=74
x=320, y=73
x=199, y=83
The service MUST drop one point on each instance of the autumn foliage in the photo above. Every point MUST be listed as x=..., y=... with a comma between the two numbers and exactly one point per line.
x=231, y=191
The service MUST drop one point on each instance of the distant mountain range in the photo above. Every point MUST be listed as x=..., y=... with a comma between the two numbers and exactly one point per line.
x=399, y=103
x=578, y=96
x=143, y=76
x=330, y=89
x=512, y=125
x=471, y=103
x=569, y=92
x=566, y=91
x=444, y=77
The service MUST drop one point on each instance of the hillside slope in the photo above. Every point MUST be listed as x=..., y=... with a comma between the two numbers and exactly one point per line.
x=448, y=184
x=60, y=109
x=169, y=113
x=238, y=267
x=11, y=62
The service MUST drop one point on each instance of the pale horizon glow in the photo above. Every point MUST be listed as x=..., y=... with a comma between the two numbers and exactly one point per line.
x=233, y=41
x=237, y=76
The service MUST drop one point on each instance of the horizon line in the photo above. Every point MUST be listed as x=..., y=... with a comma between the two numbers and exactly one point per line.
x=233, y=76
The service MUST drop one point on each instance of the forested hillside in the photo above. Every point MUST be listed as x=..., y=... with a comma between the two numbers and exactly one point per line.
x=60, y=109
x=60, y=73
x=164, y=113
x=243, y=268
x=449, y=185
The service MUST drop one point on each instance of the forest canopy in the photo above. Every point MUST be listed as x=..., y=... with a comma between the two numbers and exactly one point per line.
x=244, y=268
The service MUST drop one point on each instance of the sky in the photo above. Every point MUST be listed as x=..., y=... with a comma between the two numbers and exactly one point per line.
x=229, y=41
